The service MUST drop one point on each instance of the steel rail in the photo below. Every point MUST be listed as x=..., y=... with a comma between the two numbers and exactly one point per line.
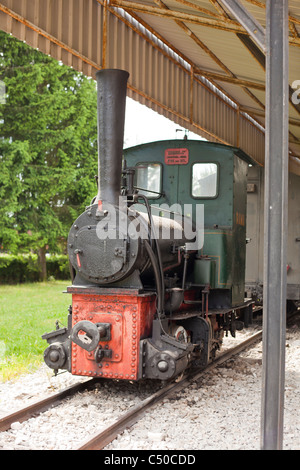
x=44, y=404
x=100, y=440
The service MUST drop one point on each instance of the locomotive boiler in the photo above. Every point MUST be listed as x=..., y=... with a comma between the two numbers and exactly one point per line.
x=149, y=298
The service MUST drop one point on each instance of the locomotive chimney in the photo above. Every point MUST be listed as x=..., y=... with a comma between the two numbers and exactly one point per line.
x=111, y=100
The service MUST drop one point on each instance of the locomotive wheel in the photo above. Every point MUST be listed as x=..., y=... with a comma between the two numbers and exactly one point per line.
x=179, y=333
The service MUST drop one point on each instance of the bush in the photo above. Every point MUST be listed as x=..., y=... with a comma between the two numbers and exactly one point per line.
x=16, y=269
x=58, y=267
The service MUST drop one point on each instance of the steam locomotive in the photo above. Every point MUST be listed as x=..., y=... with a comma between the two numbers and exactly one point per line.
x=158, y=258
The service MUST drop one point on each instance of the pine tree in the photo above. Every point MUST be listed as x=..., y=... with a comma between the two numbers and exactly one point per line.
x=48, y=149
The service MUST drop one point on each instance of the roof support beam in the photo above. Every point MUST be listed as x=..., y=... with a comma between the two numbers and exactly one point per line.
x=231, y=26
x=275, y=224
x=261, y=113
x=224, y=78
x=251, y=25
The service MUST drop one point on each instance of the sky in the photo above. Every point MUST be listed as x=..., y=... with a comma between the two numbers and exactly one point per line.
x=143, y=125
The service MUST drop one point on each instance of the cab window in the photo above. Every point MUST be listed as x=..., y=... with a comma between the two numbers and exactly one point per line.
x=205, y=180
x=148, y=179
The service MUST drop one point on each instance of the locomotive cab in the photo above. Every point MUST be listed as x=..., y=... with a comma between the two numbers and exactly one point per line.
x=157, y=259
x=191, y=174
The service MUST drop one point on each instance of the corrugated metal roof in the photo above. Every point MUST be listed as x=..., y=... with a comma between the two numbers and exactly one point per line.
x=187, y=59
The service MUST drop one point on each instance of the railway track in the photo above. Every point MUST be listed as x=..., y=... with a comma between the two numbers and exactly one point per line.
x=100, y=440
x=42, y=405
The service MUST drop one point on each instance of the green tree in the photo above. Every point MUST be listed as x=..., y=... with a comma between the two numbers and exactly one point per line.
x=48, y=149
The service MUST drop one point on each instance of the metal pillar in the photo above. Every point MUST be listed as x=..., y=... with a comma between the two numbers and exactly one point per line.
x=275, y=215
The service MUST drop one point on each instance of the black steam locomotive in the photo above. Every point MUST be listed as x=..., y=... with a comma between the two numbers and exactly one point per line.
x=158, y=258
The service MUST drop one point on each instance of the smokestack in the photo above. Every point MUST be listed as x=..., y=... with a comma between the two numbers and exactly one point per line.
x=111, y=100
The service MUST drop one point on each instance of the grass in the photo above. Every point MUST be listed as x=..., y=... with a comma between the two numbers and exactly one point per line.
x=26, y=312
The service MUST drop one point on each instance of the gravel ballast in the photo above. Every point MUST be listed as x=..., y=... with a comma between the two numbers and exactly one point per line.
x=219, y=411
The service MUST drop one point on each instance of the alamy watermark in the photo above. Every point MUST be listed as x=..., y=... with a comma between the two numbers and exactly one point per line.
x=173, y=222
x=296, y=94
